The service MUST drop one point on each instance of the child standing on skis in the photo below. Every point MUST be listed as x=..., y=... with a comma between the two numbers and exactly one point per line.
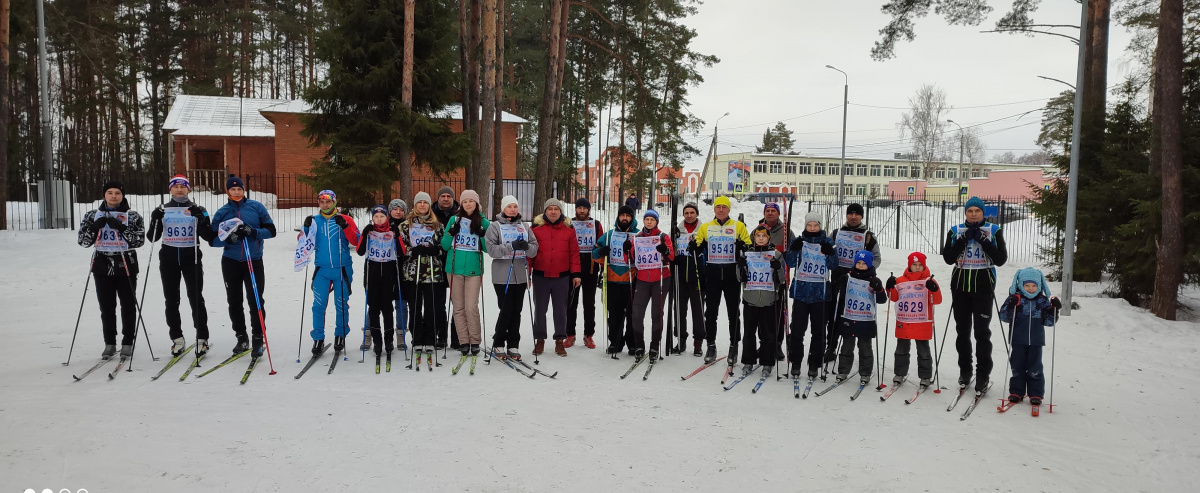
x=1028, y=309
x=914, y=293
x=763, y=281
x=813, y=256
x=856, y=295
x=651, y=251
x=381, y=245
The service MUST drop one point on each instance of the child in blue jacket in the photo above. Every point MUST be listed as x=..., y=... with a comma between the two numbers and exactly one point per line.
x=812, y=254
x=1028, y=310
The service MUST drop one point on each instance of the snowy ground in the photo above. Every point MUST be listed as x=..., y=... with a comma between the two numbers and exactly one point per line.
x=1126, y=386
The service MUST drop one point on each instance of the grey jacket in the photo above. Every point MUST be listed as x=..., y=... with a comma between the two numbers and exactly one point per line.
x=502, y=252
x=767, y=298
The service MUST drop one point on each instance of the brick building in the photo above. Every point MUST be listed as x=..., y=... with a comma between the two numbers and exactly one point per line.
x=593, y=174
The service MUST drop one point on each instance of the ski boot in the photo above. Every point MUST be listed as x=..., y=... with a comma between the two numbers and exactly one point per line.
x=109, y=351
x=202, y=347
x=318, y=346
x=339, y=344
x=243, y=345
x=126, y=350
x=710, y=355
x=177, y=346
x=512, y=354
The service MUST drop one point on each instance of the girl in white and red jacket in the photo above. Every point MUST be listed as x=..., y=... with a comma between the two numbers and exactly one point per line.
x=652, y=253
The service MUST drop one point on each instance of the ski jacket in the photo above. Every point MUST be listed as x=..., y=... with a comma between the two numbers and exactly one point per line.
x=380, y=273
x=849, y=233
x=558, y=250
x=810, y=291
x=714, y=270
x=761, y=298
x=920, y=331
x=585, y=251
x=974, y=261
x=847, y=327
x=333, y=243
x=654, y=275
x=463, y=258
x=424, y=263
x=1028, y=317
x=508, y=268
x=615, y=273
x=253, y=214
x=120, y=254
x=687, y=266
x=178, y=255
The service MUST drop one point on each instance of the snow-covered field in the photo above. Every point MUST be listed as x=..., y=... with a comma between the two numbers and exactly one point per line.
x=1126, y=388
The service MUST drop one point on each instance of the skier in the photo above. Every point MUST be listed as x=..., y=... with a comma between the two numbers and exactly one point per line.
x=762, y=268
x=617, y=277
x=397, y=210
x=813, y=256
x=652, y=251
x=1028, y=311
x=180, y=222
x=336, y=234
x=462, y=243
x=688, y=268
x=380, y=243
x=586, y=232
x=851, y=238
x=114, y=230
x=509, y=243
x=781, y=239
x=424, y=274
x=915, y=293
x=721, y=239
x=856, y=296
x=555, y=273
x=445, y=208
x=975, y=248
x=248, y=222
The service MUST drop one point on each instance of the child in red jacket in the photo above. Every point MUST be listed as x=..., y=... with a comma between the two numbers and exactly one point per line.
x=915, y=293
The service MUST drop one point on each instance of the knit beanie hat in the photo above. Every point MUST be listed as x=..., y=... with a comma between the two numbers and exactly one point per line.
x=552, y=202
x=179, y=180
x=583, y=202
x=974, y=202
x=691, y=205
x=722, y=200
x=234, y=181
x=771, y=205
x=466, y=194
x=865, y=256
x=812, y=217
x=398, y=203
x=650, y=213
x=625, y=210
x=328, y=195
x=1029, y=274
x=508, y=200
x=445, y=190
x=114, y=184
x=855, y=208
x=421, y=197
x=916, y=257
x=379, y=209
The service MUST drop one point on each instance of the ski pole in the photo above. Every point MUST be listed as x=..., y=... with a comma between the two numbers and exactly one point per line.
x=938, y=361
x=303, y=298
x=604, y=294
x=1053, y=346
x=1006, y=338
x=366, y=306
x=258, y=301
x=132, y=286
x=79, y=316
x=886, y=327
x=482, y=310
x=450, y=299
x=146, y=280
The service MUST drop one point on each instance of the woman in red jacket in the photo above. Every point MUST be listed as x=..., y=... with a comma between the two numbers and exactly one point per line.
x=652, y=252
x=555, y=273
x=915, y=293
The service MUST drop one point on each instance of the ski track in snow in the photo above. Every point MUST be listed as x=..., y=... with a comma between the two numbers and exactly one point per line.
x=1126, y=385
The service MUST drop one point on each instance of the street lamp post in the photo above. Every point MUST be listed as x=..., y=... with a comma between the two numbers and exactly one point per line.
x=845, y=104
x=704, y=173
x=961, y=143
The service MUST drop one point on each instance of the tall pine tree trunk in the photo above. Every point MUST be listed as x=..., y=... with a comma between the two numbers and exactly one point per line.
x=498, y=154
x=487, y=98
x=545, y=157
x=4, y=18
x=1169, y=73
x=405, y=154
x=469, y=105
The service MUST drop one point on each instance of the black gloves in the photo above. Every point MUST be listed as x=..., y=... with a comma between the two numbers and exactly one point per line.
x=662, y=248
x=234, y=236
x=674, y=232
x=96, y=224
x=695, y=248
x=931, y=285
x=196, y=211
x=520, y=244
x=157, y=213
x=477, y=229
x=604, y=251
x=245, y=231
x=308, y=222
x=1054, y=301
x=973, y=234
x=367, y=230
x=891, y=283
x=453, y=231
x=876, y=284
x=775, y=264
x=1014, y=299
x=114, y=223
x=827, y=249
x=340, y=220
x=628, y=246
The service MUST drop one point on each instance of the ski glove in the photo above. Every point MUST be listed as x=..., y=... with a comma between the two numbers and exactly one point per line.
x=876, y=284
x=453, y=231
x=827, y=249
x=245, y=231
x=891, y=283
x=931, y=285
x=114, y=223
x=662, y=248
x=308, y=222
x=520, y=245
x=603, y=251
x=775, y=264
x=628, y=246
x=157, y=214
x=196, y=211
x=340, y=220
x=974, y=234
x=95, y=225
x=234, y=236
x=1054, y=301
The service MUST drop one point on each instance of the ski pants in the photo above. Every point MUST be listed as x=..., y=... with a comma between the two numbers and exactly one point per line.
x=237, y=281
x=924, y=358
x=866, y=357
x=173, y=267
x=647, y=295
x=620, y=313
x=804, y=315
x=464, y=293
x=428, y=312
x=731, y=290
x=380, y=280
x=547, y=291
x=973, y=313
x=336, y=280
x=508, y=322
x=1027, y=379
x=689, y=297
x=112, y=284
x=760, y=322
x=587, y=288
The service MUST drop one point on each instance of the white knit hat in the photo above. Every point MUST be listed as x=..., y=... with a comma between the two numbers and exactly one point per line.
x=506, y=201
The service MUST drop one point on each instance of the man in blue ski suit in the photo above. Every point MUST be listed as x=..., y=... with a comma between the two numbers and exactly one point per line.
x=335, y=235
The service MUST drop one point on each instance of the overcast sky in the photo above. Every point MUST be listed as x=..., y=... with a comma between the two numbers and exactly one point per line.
x=773, y=55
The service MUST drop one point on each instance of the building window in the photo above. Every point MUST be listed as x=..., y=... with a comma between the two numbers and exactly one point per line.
x=776, y=167
x=819, y=168
x=806, y=168
x=833, y=168
x=804, y=188
x=889, y=171
x=874, y=191
x=760, y=166
x=940, y=173
x=789, y=168
x=876, y=170
x=818, y=189
x=862, y=170
x=914, y=172
x=862, y=189
x=952, y=173
x=901, y=171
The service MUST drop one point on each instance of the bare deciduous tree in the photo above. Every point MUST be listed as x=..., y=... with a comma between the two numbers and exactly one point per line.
x=924, y=125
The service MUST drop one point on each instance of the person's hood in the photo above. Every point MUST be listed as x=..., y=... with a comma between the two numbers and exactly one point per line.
x=502, y=219
x=540, y=220
x=1029, y=274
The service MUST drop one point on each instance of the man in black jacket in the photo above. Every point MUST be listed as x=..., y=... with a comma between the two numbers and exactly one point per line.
x=974, y=248
x=115, y=231
x=181, y=223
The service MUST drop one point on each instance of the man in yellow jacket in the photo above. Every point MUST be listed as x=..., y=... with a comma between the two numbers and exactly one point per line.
x=720, y=241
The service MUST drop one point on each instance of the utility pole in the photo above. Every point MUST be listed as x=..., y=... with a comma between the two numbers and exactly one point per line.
x=712, y=152
x=46, y=190
x=961, y=142
x=1068, y=266
x=845, y=105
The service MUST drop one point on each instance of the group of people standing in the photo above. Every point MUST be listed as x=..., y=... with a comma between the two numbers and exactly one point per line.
x=415, y=257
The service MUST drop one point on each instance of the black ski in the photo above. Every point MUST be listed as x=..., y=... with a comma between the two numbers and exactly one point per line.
x=649, y=368
x=92, y=369
x=514, y=367
x=378, y=357
x=831, y=387
x=862, y=384
x=253, y=361
x=333, y=364
x=535, y=370
x=975, y=402
x=808, y=387
x=312, y=360
x=223, y=363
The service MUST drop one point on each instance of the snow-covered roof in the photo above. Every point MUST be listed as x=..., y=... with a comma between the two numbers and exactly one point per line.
x=219, y=116
x=452, y=112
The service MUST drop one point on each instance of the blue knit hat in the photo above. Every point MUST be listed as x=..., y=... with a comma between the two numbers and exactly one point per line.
x=865, y=256
x=974, y=202
x=1027, y=275
x=650, y=213
x=771, y=205
x=379, y=209
x=234, y=181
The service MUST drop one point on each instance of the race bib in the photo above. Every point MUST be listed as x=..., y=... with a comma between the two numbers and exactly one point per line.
x=759, y=274
x=585, y=234
x=227, y=226
x=107, y=239
x=419, y=233
x=179, y=228
x=616, y=250
x=513, y=232
x=913, y=306
x=720, y=243
x=381, y=247
x=972, y=257
x=849, y=243
x=645, y=252
x=465, y=241
x=306, y=244
x=860, y=303
x=682, y=242
x=812, y=264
